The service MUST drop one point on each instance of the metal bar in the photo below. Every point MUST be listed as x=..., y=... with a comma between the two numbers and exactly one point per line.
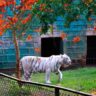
x=57, y=92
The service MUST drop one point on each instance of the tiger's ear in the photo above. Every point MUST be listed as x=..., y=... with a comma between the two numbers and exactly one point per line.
x=64, y=54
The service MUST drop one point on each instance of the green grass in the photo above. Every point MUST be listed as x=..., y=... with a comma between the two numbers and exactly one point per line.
x=82, y=79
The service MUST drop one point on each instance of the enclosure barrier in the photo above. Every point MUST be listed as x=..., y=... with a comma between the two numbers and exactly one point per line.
x=10, y=86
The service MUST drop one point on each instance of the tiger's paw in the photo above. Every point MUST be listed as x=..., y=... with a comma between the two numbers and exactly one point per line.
x=48, y=82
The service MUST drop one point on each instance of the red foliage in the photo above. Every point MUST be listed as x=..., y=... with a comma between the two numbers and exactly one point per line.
x=2, y=3
x=76, y=39
x=37, y=50
x=25, y=20
x=13, y=20
x=10, y=2
x=63, y=35
x=27, y=4
x=1, y=16
x=1, y=21
x=18, y=7
x=1, y=33
x=29, y=38
x=7, y=25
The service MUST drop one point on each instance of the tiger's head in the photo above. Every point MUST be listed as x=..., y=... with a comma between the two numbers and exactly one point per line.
x=65, y=60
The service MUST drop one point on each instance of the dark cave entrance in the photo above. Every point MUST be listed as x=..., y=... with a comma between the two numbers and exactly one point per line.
x=51, y=46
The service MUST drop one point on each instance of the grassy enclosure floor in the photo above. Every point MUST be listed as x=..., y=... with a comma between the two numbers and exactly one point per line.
x=81, y=79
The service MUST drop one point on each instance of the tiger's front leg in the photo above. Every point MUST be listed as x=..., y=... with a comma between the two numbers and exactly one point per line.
x=47, y=77
x=60, y=75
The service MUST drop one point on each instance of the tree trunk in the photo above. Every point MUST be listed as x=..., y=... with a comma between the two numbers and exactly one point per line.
x=18, y=73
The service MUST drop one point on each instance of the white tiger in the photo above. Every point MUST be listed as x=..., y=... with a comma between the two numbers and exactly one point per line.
x=31, y=64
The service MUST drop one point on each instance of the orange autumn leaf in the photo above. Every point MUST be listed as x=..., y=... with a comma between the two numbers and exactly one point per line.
x=3, y=10
x=27, y=4
x=25, y=20
x=13, y=20
x=1, y=16
x=63, y=35
x=9, y=18
x=29, y=38
x=2, y=3
x=26, y=7
x=31, y=1
x=18, y=7
x=7, y=25
x=10, y=2
x=2, y=28
x=1, y=21
x=1, y=33
x=37, y=50
x=76, y=39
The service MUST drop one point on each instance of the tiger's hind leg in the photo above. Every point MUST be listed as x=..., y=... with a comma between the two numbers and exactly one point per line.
x=27, y=75
x=47, y=77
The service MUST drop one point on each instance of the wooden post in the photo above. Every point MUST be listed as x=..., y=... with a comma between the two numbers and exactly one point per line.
x=57, y=92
